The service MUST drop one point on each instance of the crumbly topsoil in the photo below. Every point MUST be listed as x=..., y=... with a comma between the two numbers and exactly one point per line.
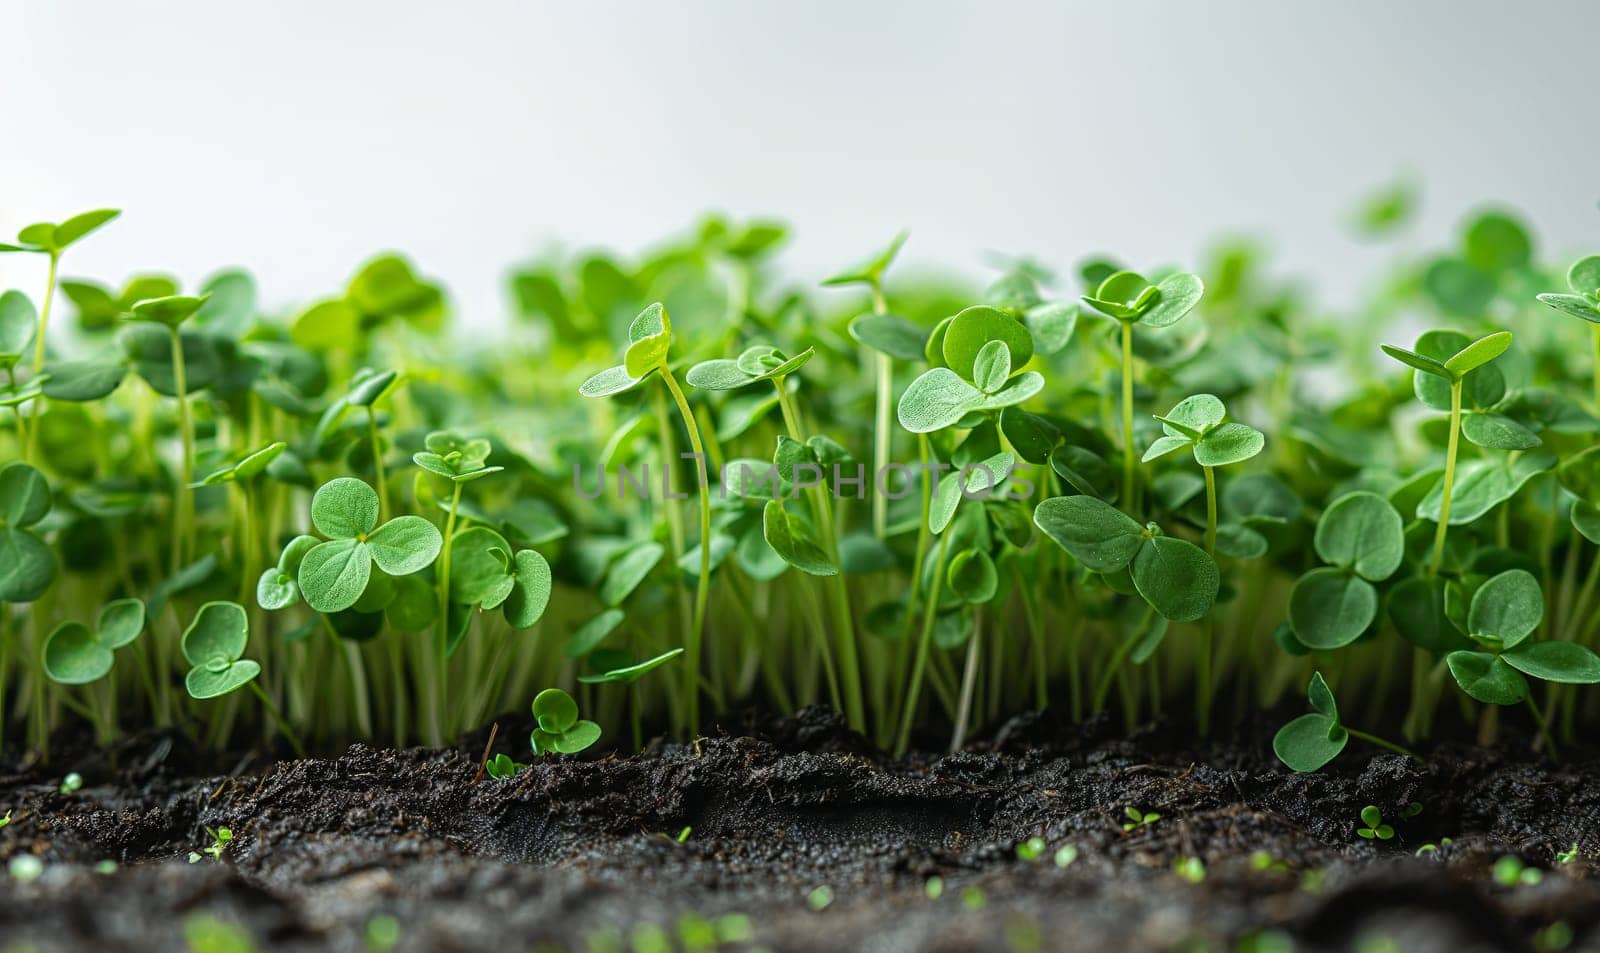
x=583, y=854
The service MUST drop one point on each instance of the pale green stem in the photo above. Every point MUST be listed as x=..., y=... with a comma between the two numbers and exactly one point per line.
x=703, y=583
x=1449, y=478
x=44, y=313
x=185, y=498
x=1127, y=414
x=930, y=615
x=377, y=464
x=882, y=434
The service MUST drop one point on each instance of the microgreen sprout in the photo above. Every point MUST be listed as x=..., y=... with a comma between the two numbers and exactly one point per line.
x=820, y=898
x=1431, y=848
x=502, y=766
x=1031, y=849
x=71, y=783
x=1372, y=825
x=560, y=729
x=933, y=887
x=1066, y=855
x=1137, y=818
x=1569, y=855
x=221, y=837
x=1192, y=869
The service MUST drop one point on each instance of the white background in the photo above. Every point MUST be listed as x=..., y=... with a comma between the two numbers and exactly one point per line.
x=299, y=136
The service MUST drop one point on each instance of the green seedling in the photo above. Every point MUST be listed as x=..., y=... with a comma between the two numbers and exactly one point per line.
x=1510, y=871
x=820, y=898
x=1569, y=855
x=51, y=239
x=1434, y=848
x=1130, y=300
x=25, y=868
x=1138, y=819
x=560, y=730
x=1449, y=358
x=214, y=646
x=1031, y=849
x=501, y=766
x=1066, y=855
x=382, y=933
x=973, y=898
x=1362, y=538
x=1263, y=861
x=1503, y=613
x=1372, y=825
x=1176, y=577
x=1312, y=740
x=933, y=887
x=334, y=574
x=649, y=339
x=29, y=565
x=1583, y=281
x=71, y=783
x=220, y=838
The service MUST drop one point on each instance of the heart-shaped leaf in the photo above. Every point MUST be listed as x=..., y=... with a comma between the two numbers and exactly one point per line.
x=404, y=545
x=1363, y=533
x=1487, y=677
x=344, y=508
x=530, y=594
x=979, y=325
x=334, y=574
x=74, y=656
x=220, y=630
x=1508, y=607
x=1330, y=608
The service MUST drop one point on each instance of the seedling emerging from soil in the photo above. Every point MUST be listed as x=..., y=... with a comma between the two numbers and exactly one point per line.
x=1434, y=848
x=820, y=898
x=1137, y=818
x=334, y=574
x=1362, y=537
x=1373, y=825
x=74, y=654
x=1066, y=855
x=220, y=838
x=214, y=646
x=560, y=730
x=1031, y=849
x=1192, y=869
x=71, y=783
x=1569, y=855
x=501, y=766
x=1314, y=739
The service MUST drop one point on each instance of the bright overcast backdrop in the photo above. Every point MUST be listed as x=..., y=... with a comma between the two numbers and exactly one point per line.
x=299, y=136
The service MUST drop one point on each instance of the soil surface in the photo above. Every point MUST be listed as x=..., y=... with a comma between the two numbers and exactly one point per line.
x=801, y=837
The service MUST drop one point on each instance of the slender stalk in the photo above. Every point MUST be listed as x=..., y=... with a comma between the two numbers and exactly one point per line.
x=185, y=498
x=969, y=679
x=1449, y=478
x=1594, y=337
x=1127, y=413
x=1202, y=669
x=930, y=615
x=1386, y=745
x=44, y=313
x=843, y=617
x=278, y=719
x=882, y=434
x=703, y=583
x=377, y=464
x=441, y=649
x=1124, y=648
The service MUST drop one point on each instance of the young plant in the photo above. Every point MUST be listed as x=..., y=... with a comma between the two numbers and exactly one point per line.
x=1137, y=819
x=560, y=729
x=1362, y=538
x=1129, y=299
x=1510, y=871
x=1503, y=613
x=170, y=313
x=75, y=654
x=1372, y=825
x=649, y=340
x=221, y=837
x=1312, y=740
x=27, y=564
x=51, y=239
x=214, y=645
x=1452, y=359
x=1583, y=280
x=501, y=766
x=334, y=574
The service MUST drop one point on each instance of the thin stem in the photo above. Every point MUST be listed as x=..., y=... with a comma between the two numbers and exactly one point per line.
x=1449, y=478
x=881, y=433
x=1211, y=511
x=1103, y=687
x=930, y=615
x=1386, y=745
x=1544, y=730
x=969, y=679
x=703, y=583
x=1127, y=413
x=843, y=617
x=377, y=464
x=1202, y=669
x=441, y=650
x=185, y=498
x=278, y=719
x=44, y=313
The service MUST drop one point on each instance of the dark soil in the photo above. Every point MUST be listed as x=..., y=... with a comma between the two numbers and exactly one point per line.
x=583, y=855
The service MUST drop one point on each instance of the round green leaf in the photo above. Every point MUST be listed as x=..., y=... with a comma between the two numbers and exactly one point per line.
x=1481, y=485
x=991, y=367
x=27, y=566
x=1097, y=534
x=1563, y=662
x=214, y=682
x=609, y=382
x=404, y=545
x=1051, y=325
x=554, y=710
x=1495, y=241
x=344, y=508
x=1498, y=432
x=890, y=334
x=24, y=495
x=1363, y=532
x=531, y=593
x=1179, y=293
x=1228, y=444
x=790, y=542
x=219, y=631
x=1309, y=742
x=974, y=327
x=82, y=381
x=120, y=622
x=73, y=656
x=936, y=400
x=1487, y=678
x=1176, y=577
x=1507, y=607
x=1584, y=276
x=334, y=574
x=18, y=324
x=276, y=589
x=1330, y=608
x=972, y=576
